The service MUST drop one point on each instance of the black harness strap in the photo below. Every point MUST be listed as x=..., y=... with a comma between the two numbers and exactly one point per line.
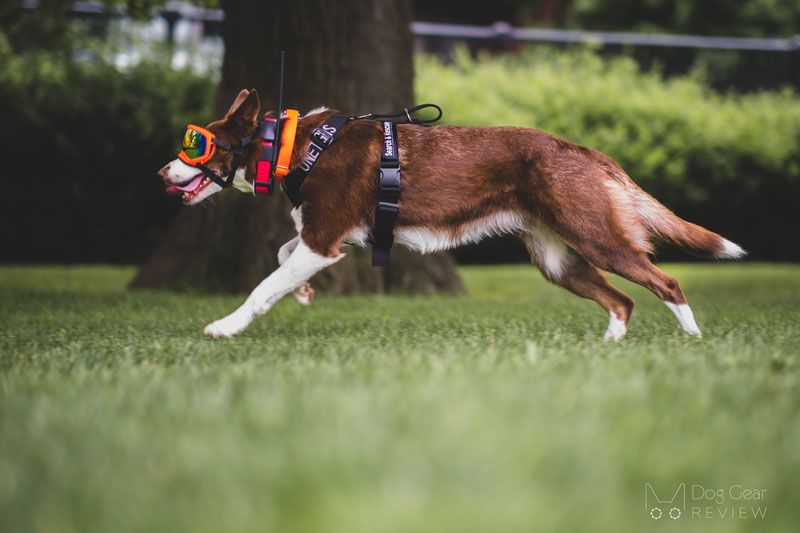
x=389, y=185
x=321, y=138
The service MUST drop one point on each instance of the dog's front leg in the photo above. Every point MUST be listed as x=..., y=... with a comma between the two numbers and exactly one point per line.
x=296, y=269
x=304, y=293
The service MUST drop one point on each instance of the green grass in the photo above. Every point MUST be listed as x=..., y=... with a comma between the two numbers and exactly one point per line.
x=501, y=410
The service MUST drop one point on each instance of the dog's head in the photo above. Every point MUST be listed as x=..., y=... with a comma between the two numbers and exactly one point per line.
x=240, y=121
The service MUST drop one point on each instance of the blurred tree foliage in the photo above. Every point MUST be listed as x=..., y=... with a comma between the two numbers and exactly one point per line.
x=87, y=133
x=54, y=28
x=742, y=18
x=49, y=27
x=90, y=139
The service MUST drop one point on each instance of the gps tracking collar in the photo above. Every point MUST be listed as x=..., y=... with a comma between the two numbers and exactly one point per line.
x=273, y=163
x=199, y=146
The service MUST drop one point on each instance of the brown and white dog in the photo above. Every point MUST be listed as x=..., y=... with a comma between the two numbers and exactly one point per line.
x=578, y=212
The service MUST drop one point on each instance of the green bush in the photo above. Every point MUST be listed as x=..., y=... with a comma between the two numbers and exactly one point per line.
x=728, y=161
x=89, y=140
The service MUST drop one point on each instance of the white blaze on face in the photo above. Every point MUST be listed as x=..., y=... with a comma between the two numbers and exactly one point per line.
x=188, y=181
x=176, y=172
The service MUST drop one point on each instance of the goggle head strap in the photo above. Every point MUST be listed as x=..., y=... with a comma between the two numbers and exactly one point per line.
x=237, y=158
x=212, y=175
x=224, y=183
x=230, y=148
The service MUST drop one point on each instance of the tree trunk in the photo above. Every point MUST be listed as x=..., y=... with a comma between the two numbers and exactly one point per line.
x=353, y=56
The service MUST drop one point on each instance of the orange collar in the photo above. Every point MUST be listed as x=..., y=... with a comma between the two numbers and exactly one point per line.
x=288, y=132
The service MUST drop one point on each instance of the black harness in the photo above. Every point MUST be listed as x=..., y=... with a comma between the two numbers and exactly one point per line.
x=389, y=179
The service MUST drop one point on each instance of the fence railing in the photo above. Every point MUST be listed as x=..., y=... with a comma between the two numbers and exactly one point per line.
x=503, y=31
x=730, y=62
x=741, y=64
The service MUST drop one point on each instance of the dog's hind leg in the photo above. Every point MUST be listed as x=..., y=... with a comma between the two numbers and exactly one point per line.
x=304, y=293
x=302, y=263
x=563, y=266
x=636, y=267
x=615, y=254
x=609, y=234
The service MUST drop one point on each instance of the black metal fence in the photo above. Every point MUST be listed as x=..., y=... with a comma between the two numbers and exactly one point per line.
x=729, y=62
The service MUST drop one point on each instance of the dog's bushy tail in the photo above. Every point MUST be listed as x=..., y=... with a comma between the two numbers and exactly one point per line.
x=664, y=225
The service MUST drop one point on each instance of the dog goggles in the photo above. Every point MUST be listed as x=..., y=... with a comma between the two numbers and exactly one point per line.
x=198, y=145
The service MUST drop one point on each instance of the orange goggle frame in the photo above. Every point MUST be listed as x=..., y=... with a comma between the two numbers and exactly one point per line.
x=198, y=145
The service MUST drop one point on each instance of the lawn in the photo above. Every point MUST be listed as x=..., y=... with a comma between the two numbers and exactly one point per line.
x=499, y=410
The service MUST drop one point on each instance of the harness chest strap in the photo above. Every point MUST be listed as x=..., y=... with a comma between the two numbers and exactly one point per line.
x=389, y=186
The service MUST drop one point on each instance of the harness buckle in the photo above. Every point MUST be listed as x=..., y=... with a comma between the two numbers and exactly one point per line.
x=389, y=181
x=388, y=208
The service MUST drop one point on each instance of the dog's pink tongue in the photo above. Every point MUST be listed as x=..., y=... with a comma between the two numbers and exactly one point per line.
x=174, y=189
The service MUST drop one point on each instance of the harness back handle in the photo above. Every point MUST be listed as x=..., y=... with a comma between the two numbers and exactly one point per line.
x=406, y=113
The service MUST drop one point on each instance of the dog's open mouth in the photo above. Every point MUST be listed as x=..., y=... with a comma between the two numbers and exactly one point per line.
x=191, y=189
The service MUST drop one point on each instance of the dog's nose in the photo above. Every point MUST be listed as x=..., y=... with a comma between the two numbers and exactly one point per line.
x=163, y=172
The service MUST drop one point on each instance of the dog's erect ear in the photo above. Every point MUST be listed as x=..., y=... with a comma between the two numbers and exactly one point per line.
x=247, y=110
x=239, y=99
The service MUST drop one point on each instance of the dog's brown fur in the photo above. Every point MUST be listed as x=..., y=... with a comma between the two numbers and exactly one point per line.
x=456, y=175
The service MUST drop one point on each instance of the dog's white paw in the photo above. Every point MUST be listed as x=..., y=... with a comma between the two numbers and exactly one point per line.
x=226, y=327
x=616, y=328
x=304, y=294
